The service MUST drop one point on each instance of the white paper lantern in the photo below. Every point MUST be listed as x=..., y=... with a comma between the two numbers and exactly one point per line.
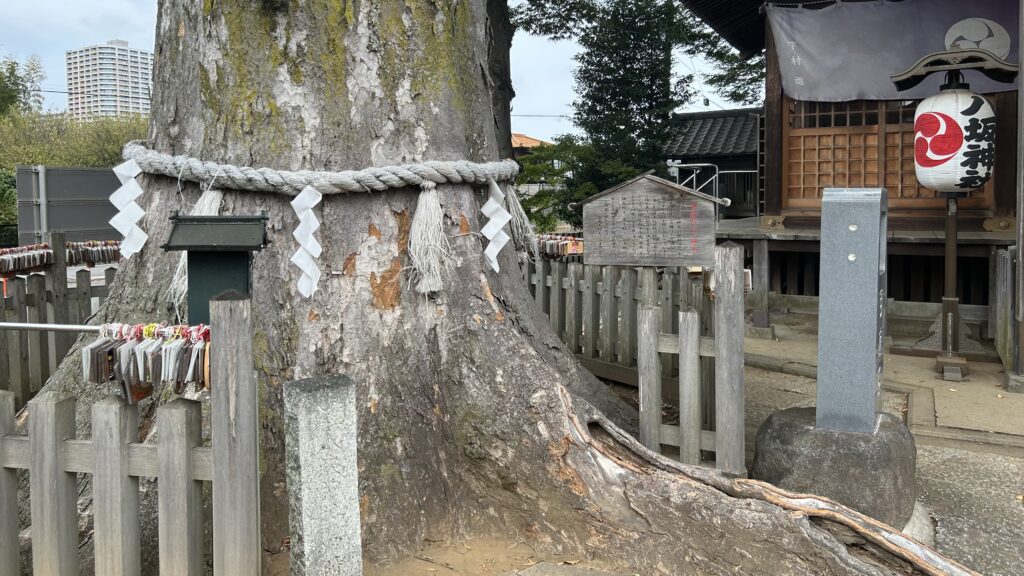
x=954, y=141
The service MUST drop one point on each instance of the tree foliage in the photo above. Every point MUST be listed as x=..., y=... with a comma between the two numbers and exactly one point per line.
x=572, y=170
x=8, y=199
x=14, y=89
x=733, y=77
x=20, y=84
x=737, y=79
x=625, y=85
x=28, y=138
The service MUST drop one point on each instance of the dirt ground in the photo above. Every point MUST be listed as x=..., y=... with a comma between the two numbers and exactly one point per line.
x=478, y=557
x=975, y=499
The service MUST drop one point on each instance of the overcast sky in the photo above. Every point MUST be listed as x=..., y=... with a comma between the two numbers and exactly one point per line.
x=541, y=69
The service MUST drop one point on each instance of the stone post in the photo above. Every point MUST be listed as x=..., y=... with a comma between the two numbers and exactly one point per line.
x=846, y=449
x=851, y=308
x=323, y=485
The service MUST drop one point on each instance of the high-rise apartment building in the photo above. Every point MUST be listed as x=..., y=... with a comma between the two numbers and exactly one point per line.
x=108, y=80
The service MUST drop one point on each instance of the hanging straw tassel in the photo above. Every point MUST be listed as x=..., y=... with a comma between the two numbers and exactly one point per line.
x=523, y=236
x=429, y=249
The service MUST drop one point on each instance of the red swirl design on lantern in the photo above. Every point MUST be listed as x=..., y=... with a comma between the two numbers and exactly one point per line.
x=937, y=139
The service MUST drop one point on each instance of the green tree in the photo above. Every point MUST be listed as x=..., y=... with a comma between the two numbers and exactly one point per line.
x=8, y=198
x=14, y=86
x=625, y=84
x=28, y=137
x=737, y=79
x=572, y=170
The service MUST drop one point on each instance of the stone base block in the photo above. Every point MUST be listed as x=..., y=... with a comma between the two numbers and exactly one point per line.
x=872, y=473
x=1015, y=383
x=943, y=361
x=761, y=333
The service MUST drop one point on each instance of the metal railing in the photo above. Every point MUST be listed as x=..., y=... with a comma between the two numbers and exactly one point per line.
x=740, y=187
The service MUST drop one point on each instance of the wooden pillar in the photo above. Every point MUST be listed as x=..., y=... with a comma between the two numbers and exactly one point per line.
x=10, y=550
x=689, y=388
x=235, y=426
x=55, y=507
x=38, y=342
x=649, y=377
x=17, y=343
x=773, y=139
x=180, y=496
x=759, y=289
x=729, y=399
x=609, y=313
x=115, y=494
x=57, y=285
x=591, y=309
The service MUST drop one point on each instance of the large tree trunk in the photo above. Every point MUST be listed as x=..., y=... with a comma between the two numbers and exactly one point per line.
x=468, y=424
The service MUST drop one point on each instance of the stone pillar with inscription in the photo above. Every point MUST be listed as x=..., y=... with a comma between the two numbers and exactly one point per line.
x=851, y=308
x=845, y=448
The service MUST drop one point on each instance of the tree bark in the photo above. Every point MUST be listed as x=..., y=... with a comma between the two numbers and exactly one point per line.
x=467, y=420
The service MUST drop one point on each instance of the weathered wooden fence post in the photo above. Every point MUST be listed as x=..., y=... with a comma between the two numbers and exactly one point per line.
x=591, y=309
x=729, y=401
x=321, y=439
x=57, y=283
x=55, y=507
x=574, y=308
x=9, y=548
x=115, y=494
x=541, y=292
x=556, y=306
x=180, y=497
x=609, y=313
x=628, y=330
x=759, y=296
x=38, y=342
x=689, y=388
x=235, y=426
x=649, y=375
x=17, y=349
x=669, y=317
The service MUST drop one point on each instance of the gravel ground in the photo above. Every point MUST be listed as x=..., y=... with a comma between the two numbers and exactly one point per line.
x=975, y=501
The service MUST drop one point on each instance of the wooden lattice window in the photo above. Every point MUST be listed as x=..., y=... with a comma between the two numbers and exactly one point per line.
x=833, y=114
x=853, y=144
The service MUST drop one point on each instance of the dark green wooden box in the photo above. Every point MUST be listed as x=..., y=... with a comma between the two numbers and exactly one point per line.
x=219, y=256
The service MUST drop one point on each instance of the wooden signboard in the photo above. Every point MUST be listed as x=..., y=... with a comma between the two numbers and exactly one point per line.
x=649, y=221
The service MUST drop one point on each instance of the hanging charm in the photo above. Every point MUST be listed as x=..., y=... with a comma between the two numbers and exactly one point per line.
x=309, y=249
x=129, y=213
x=494, y=210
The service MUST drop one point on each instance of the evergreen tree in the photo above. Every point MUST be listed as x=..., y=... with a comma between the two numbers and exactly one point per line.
x=736, y=78
x=625, y=81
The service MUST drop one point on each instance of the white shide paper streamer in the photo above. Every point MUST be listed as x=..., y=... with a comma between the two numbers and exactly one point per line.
x=309, y=249
x=494, y=209
x=129, y=213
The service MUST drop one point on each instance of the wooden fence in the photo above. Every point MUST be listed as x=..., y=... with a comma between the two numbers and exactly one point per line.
x=1004, y=329
x=597, y=312
x=53, y=457
x=44, y=297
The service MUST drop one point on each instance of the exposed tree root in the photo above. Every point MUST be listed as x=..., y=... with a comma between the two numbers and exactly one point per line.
x=626, y=451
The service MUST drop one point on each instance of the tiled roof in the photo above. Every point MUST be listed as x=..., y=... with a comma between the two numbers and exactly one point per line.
x=524, y=141
x=717, y=133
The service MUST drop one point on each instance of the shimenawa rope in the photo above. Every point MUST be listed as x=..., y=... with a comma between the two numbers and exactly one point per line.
x=429, y=248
